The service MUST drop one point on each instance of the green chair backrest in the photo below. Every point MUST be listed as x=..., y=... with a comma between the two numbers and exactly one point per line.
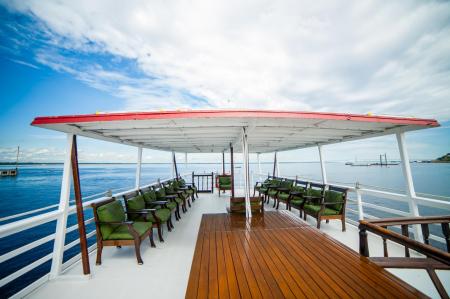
x=224, y=180
x=150, y=196
x=110, y=212
x=175, y=184
x=333, y=196
x=169, y=189
x=135, y=204
x=298, y=188
x=161, y=192
x=181, y=183
x=286, y=184
x=317, y=191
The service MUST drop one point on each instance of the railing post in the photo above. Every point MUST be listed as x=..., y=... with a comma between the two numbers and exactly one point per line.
x=61, y=222
x=363, y=243
x=138, y=168
x=359, y=202
x=413, y=208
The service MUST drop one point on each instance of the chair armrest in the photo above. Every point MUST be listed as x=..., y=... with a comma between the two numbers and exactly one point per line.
x=115, y=222
x=333, y=203
x=143, y=211
x=309, y=198
x=159, y=202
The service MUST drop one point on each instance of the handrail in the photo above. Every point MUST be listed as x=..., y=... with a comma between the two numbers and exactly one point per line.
x=435, y=258
x=376, y=227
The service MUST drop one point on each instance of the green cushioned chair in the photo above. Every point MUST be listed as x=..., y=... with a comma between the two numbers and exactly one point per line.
x=162, y=195
x=160, y=213
x=224, y=182
x=183, y=184
x=186, y=192
x=114, y=228
x=283, y=194
x=261, y=187
x=272, y=190
x=296, y=196
x=330, y=205
x=179, y=196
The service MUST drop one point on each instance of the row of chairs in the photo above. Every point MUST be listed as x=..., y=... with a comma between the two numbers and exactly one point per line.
x=128, y=220
x=323, y=202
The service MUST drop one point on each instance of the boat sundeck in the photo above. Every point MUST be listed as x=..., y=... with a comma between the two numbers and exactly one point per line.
x=272, y=236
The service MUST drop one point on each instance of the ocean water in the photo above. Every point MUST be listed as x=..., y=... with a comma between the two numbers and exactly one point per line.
x=38, y=186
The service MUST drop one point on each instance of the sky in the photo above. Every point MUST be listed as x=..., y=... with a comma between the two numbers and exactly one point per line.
x=75, y=57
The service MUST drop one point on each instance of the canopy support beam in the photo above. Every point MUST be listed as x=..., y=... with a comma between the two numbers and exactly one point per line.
x=223, y=162
x=275, y=164
x=174, y=164
x=248, y=210
x=79, y=206
x=232, y=170
x=61, y=222
x=322, y=165
x=410, y=191
x=138, y=168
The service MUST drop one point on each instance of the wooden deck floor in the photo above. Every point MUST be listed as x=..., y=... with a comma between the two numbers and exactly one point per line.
x=280, y=256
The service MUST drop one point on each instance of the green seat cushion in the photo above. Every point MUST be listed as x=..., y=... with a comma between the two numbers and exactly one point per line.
x=272, y=192
x=314, y=209
x=283, y=196
x=110, y=212
x=296, y=202
x=171, y=205
x=122, y=232
x=225, y=186
x=162, y=214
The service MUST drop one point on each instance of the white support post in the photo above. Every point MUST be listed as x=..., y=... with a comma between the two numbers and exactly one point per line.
x=322, y=165
x=61, y=222
x=259, y=166
x=185, y=161
x=138, y=168
x=173, y=164
x=359, y=202
x=413, y=208
x=248, y=210
x=278, y=168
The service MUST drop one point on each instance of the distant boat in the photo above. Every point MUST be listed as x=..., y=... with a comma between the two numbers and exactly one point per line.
x=11, y=171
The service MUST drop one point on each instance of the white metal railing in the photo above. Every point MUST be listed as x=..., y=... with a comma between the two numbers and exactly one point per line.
x=359, y=192
x=31, y=222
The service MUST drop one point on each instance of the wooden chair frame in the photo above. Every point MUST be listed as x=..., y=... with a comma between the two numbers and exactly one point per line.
x=137, y=240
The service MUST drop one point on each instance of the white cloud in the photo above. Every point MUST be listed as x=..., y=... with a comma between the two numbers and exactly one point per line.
x=383, y=57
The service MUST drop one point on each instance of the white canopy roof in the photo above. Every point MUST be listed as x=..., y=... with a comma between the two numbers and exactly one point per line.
x=206, y=131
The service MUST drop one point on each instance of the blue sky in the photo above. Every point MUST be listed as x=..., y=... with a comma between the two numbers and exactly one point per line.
x=72, y=58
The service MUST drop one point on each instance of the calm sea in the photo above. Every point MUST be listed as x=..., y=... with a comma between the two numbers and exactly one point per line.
x=38, y=186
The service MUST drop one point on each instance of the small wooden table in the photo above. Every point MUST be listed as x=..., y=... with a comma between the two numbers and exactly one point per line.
x=277, y=255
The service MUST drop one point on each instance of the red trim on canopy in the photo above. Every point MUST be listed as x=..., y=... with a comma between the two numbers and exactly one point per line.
x=104, y=117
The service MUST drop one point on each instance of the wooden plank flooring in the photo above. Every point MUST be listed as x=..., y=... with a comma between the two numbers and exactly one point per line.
x=280, y=256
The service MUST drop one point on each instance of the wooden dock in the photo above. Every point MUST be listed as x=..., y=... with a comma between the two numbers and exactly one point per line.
x=279, y=256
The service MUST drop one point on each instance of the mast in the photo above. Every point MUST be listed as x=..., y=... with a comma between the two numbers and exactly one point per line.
x=17, y=157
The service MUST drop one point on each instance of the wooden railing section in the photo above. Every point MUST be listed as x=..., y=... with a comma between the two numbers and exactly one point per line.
x=435, y=259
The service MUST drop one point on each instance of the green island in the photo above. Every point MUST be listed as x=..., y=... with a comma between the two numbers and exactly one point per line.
x=444, y=159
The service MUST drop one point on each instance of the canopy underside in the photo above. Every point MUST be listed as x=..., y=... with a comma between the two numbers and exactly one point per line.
x=213, y=131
